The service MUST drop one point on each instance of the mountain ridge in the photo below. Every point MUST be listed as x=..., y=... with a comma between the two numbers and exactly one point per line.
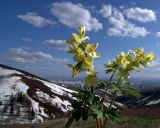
x=47, y=100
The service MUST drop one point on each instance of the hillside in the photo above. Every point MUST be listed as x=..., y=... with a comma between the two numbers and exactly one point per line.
x=27, y=98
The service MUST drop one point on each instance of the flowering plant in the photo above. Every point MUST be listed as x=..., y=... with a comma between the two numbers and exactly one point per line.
x=87, y=103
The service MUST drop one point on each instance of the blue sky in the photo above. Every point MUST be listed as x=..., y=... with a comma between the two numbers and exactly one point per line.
x=33, y=33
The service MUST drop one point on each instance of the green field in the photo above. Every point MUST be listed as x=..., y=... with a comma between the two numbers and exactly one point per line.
x=123, y=123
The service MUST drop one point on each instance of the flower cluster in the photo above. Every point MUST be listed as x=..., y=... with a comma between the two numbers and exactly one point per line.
x=88, y=103
x=133, y=60
x=84, y=54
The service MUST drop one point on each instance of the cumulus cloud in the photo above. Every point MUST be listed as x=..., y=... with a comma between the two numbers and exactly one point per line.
x=36, y=20
x=106, y=11
x=123, y=28
x=120, y=26
x=75, y=15
x=142, y=15
x=56, y=44
x=158, y=34
x=21, y=55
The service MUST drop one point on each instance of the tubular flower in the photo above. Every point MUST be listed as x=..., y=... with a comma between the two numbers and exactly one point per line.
x=150, y=57
x=122, y=60
x=125, y=63
x=91, y=79
x=109, y=64
x=91, y=48
x=84, y=54
x=79, y=57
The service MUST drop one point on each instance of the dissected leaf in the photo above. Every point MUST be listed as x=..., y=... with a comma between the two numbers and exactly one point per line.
x=77, y=115
x=84, y=114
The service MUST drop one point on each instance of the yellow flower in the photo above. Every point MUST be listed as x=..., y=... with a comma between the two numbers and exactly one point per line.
x=91, y=80
x=94, y=54
x=91, y=48
x=123, y=73
x=84, y=53
x=75, y=37
x=88, y=61
x=139, y=51
x=122, y=60
x=150, y=57
x=82, y=31
x=78, y=39
x=75, y=71
x=73, y=49
x=133, y=60
x=80, y=57
x=108, y=64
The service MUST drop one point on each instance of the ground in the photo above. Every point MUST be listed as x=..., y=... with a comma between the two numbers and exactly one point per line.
x=132, y=122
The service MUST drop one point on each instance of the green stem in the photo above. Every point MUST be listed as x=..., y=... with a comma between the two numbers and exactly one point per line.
x=114, y=93
x=69, y=122
x=119, y=80
x=106, y=88
x=91, y=89
x=112, y=101
x=104, y=122
x=97, y=123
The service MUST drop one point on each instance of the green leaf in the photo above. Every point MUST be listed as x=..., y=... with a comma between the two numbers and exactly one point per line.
x=69, y=122
x=76, y=104
x=112, y=115
x=116, y=90
x=132, y=92
x=109, y=70
x=129, y=58
x=97, y=111
x=101, y=85
x=84, y=114
x=69, y=41
x=77, y=115
x=82, y=45
x=70, y=65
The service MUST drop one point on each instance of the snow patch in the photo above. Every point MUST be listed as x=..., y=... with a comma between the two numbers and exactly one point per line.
x=4, y=72
x=153, y=102
x=62, y=104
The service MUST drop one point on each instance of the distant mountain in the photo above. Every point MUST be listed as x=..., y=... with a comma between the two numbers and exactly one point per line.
x=25, y=97
x=148, y=98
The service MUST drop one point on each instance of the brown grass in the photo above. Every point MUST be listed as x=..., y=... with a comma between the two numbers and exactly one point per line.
x=123, y=123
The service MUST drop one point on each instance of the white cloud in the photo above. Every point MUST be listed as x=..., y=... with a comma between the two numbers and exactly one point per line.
x=36, y=20
x=124, y=28
x=56, y=44
x=142, y=15
x=106, y=11
x=158, y=34
x=21, y=55
x=75, y=15
x=151, y=72
x=121, y=6
x=26, y=39
x=133, y=3
x=157, y=44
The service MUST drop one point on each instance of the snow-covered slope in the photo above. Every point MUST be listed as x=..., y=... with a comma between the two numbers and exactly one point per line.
x=28, y=98
x=149, y=98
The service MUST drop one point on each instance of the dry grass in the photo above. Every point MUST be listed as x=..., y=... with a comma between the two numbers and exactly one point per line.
x=131, y=122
